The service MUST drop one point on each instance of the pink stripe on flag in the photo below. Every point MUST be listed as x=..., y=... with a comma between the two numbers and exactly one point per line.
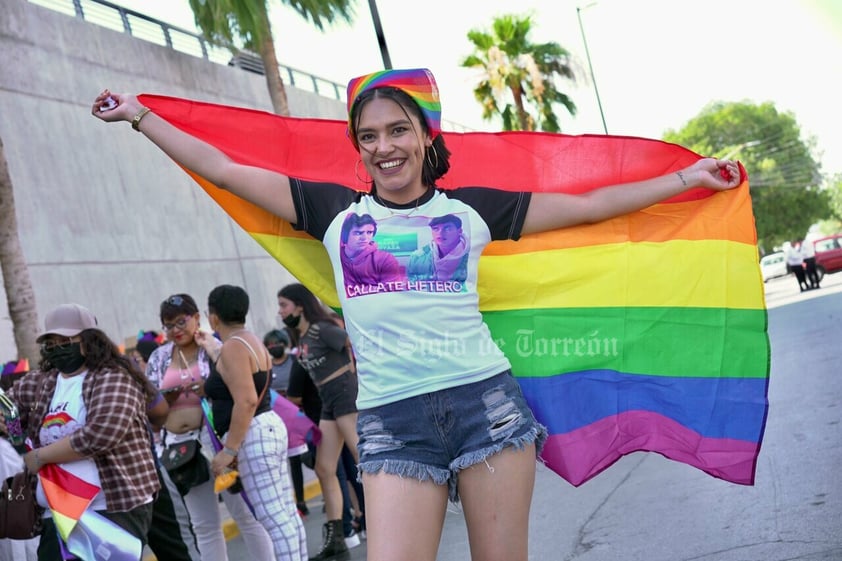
x=593, y=448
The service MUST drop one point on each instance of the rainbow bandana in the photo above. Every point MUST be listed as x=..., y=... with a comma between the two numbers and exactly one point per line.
x=417, y=83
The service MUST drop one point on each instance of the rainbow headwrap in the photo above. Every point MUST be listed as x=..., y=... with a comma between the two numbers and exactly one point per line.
x=417, y=83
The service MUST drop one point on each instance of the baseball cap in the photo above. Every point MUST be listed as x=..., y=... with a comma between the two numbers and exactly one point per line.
x=67, y=320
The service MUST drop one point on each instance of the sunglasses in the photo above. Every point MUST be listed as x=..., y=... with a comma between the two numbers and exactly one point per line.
x=175, y=300
x=53, y=344
x=180, y=323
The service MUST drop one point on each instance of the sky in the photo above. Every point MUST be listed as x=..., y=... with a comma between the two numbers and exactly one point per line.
x=656, y=63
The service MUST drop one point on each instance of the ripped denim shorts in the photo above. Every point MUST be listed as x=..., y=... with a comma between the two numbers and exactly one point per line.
x=433, y=436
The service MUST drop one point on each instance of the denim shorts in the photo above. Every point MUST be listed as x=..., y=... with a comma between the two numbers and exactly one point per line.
x=433, y=436
x=339, y=397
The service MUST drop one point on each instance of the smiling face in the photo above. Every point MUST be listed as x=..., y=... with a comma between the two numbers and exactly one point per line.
x=181, y=329
x=392, y=144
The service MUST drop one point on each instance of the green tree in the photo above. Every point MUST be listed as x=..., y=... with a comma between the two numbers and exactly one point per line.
x=20, y=296
x=516, y=72
x=244, y=24
x=833, y=224
x=787, y=197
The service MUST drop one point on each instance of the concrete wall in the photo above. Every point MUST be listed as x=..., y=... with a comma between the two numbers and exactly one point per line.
x=105, y=219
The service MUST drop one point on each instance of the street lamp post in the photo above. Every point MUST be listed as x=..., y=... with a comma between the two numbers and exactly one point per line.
x=590, y=66
x=381, y=38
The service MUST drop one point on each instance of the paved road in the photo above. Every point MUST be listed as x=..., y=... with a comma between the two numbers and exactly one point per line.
x=646, y=508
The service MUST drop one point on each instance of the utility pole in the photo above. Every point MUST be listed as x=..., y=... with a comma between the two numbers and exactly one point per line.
x=590, y=66
x=381, y=39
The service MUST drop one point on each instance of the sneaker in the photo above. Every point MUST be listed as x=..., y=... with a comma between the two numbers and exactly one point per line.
x=352, y=540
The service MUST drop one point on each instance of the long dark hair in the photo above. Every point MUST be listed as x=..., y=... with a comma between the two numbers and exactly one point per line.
x=101, y=353
x=313, y=310
x=436, y=157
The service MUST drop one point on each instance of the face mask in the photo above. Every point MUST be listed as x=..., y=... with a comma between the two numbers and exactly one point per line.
x=277, y=351
x=292, y=321
x=67, y=358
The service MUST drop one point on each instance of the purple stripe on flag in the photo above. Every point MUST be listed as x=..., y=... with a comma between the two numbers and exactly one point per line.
x=583, y=453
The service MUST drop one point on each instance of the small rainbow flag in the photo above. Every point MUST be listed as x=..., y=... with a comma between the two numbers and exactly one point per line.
x=644, y=332
x=86, y=533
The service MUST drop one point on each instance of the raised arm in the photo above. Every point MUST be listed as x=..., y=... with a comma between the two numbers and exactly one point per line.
x=267, y=189
x=551, y=211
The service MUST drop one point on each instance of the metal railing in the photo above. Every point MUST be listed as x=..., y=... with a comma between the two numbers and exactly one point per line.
x=118, y=18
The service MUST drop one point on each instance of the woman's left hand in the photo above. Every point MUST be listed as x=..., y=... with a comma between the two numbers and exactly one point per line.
x=715, y=174
x=221, y=462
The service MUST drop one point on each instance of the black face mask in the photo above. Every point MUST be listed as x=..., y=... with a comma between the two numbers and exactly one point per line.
x=67, y=358
x=292, y=321
x=277, y=351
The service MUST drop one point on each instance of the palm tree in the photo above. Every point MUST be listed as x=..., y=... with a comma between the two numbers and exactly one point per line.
x=20, y=295
x=229, y=23
x=516, y=71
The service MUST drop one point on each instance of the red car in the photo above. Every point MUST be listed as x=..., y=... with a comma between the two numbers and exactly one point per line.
x=828, y=254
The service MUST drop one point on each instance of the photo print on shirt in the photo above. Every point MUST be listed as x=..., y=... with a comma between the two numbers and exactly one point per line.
x=404, y=253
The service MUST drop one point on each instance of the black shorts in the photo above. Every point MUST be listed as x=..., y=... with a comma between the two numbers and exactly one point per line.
x=339, y=397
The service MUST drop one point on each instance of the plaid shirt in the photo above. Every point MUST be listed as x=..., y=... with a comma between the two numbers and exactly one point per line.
x=115, y=433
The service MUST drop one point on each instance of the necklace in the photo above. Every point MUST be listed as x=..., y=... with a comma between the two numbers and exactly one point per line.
x=391, y=212
x=185, y=372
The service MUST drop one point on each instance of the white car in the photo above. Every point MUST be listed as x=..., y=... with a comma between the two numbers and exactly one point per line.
x=773, y=265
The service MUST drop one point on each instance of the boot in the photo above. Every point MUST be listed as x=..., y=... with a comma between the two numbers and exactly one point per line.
x=334, y=548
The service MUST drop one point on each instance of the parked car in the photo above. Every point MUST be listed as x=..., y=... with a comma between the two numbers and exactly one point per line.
x=828, y=254
x=773, y=265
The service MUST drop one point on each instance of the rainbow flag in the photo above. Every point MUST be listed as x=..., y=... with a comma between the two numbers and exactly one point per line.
x=85, y=533
x=644, y=332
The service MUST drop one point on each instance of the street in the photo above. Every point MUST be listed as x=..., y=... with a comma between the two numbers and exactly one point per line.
x=648, y=508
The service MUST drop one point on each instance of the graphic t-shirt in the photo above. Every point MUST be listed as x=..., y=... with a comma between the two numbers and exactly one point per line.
x=322, y=350
x=407, y=282
x=66, y=415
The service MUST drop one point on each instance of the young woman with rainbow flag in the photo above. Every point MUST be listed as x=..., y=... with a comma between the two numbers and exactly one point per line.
x=440, y=414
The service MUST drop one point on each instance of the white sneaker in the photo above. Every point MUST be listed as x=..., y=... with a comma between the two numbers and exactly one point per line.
x=352, y=540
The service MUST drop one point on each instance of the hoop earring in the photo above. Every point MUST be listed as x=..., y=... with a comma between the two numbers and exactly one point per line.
x=432, y=149
x=357, y=173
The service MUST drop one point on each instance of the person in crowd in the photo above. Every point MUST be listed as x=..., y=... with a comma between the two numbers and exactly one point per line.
x=84, y=409
x=147, y=342
x=250, y=431
x=410, y=464
x=324, y=351
x=445, y=257
x=795, y=262
x=179, y=368
x=277, y=342
x=170, y=533
x=304, y=393
x=811, y=274
x=11, y=463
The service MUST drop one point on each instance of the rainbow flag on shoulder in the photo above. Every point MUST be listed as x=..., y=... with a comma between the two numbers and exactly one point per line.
x=645, y=332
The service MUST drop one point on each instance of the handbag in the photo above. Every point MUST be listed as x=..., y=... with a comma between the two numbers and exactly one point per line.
x=186, y=465
x=20, y=515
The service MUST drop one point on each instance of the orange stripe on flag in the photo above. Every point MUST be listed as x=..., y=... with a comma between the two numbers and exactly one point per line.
x=64, y=502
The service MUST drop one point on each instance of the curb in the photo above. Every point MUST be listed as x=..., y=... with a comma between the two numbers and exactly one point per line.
x=312, y=489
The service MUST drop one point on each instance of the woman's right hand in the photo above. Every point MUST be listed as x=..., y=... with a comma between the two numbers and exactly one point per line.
x=127, y=107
